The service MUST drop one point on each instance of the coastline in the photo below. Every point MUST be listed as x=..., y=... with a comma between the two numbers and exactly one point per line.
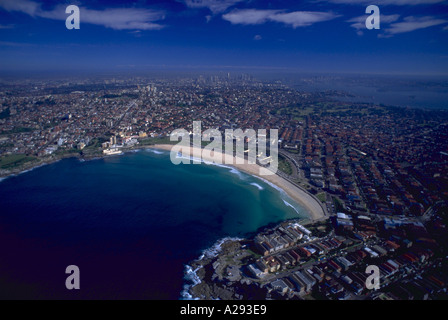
x=315, y=210
x=194, y=273
x=5, y=173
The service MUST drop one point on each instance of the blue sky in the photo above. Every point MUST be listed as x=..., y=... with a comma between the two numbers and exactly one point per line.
x=311, y=35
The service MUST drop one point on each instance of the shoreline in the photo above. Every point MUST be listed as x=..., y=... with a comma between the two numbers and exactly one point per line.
x=34, y=165
x=193, y=270
x=312, y=206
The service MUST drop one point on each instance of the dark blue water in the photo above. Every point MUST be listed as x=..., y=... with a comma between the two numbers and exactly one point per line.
x=130, y=223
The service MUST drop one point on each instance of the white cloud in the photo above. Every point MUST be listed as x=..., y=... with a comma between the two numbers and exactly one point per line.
x=302, y=18
x=258, y=37
x=25, y=6
x=116, y=18
x=10, y=26
x=215, y=6
x=393, y=27
x=294, y=19
x=384, y=18
x=359, y=23
x=249, y=16
x=413, y=23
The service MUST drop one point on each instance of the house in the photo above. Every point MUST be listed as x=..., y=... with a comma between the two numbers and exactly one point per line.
x=264, y=248
x=298, y=284
x=303, y=252
x=255, y=271
x=272, y=263
x=381, y=251
x=344, y=263
x=290, y=258
x=294, y=254
x=306, y=279
x=259, y=264
x=283, y=261
x=332, y=264
x=280, y=286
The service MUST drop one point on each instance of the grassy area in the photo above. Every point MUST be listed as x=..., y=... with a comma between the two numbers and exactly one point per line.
x=284, y=165
x=152, y=141
x=338, y=205
x=320, y=229
x=296, y=111
x=165, y=140
x=62, y=152
x=254, y=254
x=15, y=160
x=321, y=196
x=293, y=151
x=94, y=145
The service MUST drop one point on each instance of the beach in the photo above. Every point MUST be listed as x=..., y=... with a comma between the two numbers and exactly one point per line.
x=302, y=197
x=314, y=208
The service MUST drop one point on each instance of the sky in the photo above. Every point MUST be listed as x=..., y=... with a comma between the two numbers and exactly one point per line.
x=289, y=35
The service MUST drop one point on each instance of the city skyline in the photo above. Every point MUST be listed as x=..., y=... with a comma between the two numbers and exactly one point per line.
x=305, y=36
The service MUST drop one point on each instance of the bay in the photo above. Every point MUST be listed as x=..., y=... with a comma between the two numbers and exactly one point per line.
x=131, y=224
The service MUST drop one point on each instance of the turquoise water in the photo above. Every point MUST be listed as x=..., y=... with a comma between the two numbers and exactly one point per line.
x=131, y=223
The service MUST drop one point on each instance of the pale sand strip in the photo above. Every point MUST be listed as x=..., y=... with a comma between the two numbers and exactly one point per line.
x=313, y=207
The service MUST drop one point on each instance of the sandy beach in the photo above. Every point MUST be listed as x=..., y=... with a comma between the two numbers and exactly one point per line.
x=313, y=207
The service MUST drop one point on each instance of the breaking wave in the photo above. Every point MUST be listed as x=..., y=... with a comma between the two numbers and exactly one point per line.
x=257, y=186
x=283, y=192
x=193, y=279
x=290, y=205
x=233, y=170
x=155, y=151
x=191, y=276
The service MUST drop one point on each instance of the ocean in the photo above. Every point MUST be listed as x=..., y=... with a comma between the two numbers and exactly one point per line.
x=131, y=223
x=427, y=93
